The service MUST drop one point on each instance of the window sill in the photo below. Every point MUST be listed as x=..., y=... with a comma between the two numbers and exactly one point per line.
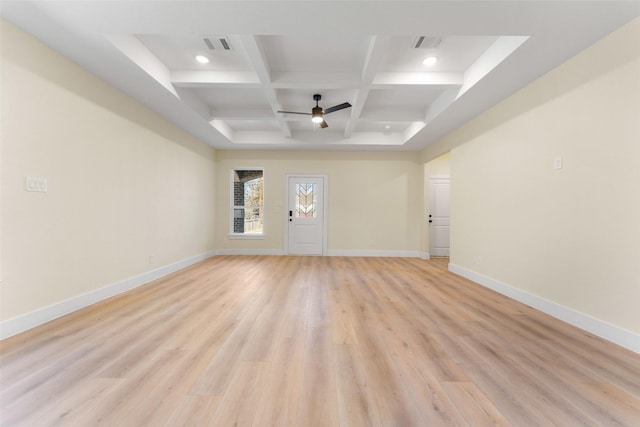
x=248, y=236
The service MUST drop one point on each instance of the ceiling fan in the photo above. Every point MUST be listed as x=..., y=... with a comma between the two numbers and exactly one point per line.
x=317, y=113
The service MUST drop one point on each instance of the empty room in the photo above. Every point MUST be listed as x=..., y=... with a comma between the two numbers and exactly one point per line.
x=319, y=213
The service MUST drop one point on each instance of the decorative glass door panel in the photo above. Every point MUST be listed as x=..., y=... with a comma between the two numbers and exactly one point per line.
x=306, y=200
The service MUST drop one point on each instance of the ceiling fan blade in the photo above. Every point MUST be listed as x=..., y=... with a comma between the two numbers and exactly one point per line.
x=337, y=107
x=323, y=124
x=294, y=112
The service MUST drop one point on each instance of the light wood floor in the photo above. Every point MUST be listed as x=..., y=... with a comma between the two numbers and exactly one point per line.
x=312, y=341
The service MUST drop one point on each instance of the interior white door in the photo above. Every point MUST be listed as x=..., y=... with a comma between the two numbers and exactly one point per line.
x=305, y=215
x=439, y=220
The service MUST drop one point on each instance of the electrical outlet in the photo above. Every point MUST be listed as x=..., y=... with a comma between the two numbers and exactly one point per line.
x=152, y=259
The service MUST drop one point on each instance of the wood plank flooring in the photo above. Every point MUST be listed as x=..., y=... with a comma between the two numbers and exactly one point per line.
x=314, y=341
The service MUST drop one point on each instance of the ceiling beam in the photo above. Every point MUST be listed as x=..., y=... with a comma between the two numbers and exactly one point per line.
x=242, y=114
x=419, y=79
x=136, y=51
x=490, y=59
x=393, y=114
x=378, y=46
x=258, y=60
x=314, y=80
x=223, y=128
x=203, y=79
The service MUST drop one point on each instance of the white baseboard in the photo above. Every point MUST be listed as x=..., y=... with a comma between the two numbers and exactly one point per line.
x=249, y=252
x=396, y=254
x=37, y=317
x=615, y=334
x=348, y=253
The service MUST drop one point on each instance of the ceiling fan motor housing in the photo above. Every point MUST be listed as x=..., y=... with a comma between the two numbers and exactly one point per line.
x=316, y=114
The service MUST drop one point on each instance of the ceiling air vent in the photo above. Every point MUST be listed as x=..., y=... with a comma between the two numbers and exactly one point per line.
x=217, y=43
x=427, y=42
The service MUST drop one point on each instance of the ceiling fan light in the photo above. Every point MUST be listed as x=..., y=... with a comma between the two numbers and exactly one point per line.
x=316, y=115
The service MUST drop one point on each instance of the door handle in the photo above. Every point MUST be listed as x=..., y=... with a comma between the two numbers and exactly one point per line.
x=430, y=221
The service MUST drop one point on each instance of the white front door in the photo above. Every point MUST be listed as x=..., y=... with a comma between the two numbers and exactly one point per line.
x=305, y=215
x=439, y=221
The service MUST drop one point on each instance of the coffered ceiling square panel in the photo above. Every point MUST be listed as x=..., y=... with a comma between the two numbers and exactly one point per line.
x=381, y=127
x=177, y=51
x=221, y=98
x=253, y=125
x=403, y=96
x=453, y=53
x=313, y=54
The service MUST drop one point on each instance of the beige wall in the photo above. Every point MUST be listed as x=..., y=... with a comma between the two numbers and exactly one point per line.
x=440, y=166
x=572, y=235
x=123, y=184
x=374, y=199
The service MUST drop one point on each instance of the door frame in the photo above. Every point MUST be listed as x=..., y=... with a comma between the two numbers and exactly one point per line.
x=325, y=205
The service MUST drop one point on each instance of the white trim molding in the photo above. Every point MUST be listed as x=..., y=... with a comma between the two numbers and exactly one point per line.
x=382, y=254
x=345, y=253
x=609, y=332
x=16, y=325
x=238, y=236
x=249, y=252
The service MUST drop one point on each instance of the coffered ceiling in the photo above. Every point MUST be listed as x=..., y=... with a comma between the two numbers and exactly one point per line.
x=269, y=56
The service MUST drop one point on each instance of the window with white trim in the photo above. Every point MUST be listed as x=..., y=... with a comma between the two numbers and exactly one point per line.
x=247, y=203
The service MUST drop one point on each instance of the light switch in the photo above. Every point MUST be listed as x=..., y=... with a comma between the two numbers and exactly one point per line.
x=557, y=162
x=36, y=184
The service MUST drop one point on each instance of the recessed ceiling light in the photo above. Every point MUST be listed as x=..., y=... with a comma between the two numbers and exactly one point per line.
x=430, y=61
x=202, y=59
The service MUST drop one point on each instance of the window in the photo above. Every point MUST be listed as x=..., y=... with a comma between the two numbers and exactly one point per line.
x=247, y=202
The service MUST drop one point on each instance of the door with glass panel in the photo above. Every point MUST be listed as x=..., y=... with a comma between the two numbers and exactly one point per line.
x=305, y=215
